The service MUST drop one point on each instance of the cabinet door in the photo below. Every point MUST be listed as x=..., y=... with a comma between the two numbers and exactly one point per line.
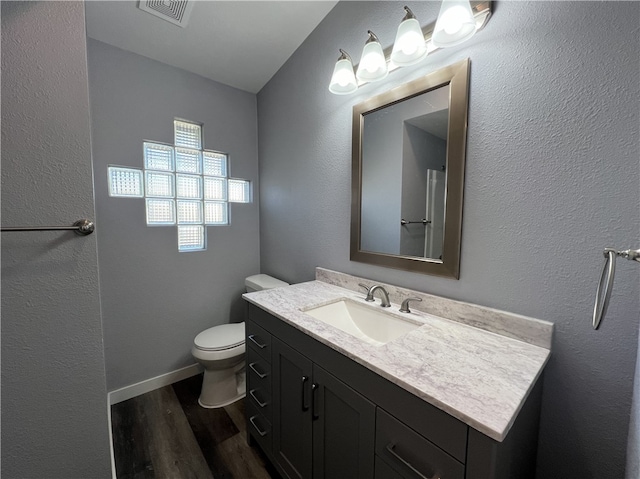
x=343, y=429
x=291, y=392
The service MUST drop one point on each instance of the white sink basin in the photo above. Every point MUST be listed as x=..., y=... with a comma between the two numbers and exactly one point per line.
x=371, y=324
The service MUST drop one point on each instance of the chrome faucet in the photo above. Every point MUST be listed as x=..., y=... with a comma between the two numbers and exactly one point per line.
x=384, y=300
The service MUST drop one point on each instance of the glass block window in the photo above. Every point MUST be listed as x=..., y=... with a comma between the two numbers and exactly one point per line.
x=161, y=212
x=215, y=188
x=187, y=134
x=216, y=213
x=188, y=186
x=214, y=164
x=184, y=185
x=191, y=238
x=190, y=212
x=159, y=184
x=239, y=191
x=158, y=156
x=188, y=161
x=125, y=182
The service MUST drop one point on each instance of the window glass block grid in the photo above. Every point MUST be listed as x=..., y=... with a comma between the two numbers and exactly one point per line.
x=187, y=134
x=125, y=182
x=184, y=185
x=214, y=163
x=158, y=156
x=159, y=184
x=239, y=191
x=188, y=186
x=191, y=238
x=161, y=212
x=216, y=213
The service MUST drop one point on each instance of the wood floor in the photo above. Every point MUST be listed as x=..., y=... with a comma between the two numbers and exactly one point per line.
x=166, y=434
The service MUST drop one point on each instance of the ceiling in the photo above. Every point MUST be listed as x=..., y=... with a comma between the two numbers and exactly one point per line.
x=238, y=43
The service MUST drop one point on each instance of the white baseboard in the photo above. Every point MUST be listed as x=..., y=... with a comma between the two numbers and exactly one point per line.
x=133, y=390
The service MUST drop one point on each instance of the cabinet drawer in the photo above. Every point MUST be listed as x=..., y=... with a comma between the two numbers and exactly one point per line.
x=259, y=427
x=259, y=339
x=259, y=396
x=410, y=454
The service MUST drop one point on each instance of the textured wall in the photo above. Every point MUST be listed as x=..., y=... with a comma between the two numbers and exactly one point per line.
x=633, y=449
x=156, y=300
x=552, y=178
x=54, y=400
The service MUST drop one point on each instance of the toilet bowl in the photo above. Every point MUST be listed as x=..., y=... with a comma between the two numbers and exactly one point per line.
x=221, y=351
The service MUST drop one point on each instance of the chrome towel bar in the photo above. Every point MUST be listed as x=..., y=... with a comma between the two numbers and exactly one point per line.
x=605, y=285
x=424, y=221
x=82, y=227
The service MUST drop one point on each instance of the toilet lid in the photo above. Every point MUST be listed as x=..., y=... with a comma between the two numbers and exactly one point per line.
x=220, y=337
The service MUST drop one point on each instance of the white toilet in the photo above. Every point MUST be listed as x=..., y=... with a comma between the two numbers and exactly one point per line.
x=221, y=351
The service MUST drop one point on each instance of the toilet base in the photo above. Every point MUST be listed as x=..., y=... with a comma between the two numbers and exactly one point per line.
x=221, y=388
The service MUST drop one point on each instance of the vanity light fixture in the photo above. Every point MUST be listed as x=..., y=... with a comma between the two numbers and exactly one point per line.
x=373, y=64
x=343, y=80
x=457, y=21
x=455, y=24
x=410, y=46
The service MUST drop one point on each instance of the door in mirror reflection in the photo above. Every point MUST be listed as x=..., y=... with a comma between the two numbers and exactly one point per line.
x=404, y=154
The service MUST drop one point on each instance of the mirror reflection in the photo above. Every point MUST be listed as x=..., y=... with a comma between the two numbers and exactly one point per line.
x=408, y=174
x=404, y=149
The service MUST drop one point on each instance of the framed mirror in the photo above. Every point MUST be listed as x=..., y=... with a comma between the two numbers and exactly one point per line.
x=408, y=174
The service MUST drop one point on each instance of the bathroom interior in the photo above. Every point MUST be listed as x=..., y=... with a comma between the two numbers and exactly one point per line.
x=541, y=174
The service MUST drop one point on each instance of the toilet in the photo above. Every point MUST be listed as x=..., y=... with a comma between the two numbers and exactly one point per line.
x=221, y=351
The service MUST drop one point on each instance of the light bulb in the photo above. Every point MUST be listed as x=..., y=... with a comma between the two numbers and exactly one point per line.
x=455, y=24
x=373, y=64
x=409, y=47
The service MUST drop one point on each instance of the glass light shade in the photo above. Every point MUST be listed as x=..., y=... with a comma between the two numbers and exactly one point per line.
x=455, y=24
x=409, y=47
x=343, y=80
x=373, y=64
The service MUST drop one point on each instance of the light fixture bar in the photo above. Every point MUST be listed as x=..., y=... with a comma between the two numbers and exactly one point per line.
x=481, y=13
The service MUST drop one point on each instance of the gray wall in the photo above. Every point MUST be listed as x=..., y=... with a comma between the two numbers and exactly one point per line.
x=54, y=399
x=156, y=300
x=633, y=449
x=552, y=178
x=420, y=151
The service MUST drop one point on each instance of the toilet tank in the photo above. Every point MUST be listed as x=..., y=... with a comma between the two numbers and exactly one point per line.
x=258, y=282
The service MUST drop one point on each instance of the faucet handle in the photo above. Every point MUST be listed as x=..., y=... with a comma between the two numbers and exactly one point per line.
x=404, y=308
x=369, y=295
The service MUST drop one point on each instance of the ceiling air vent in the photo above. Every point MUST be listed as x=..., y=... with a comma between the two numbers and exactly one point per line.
x=174, y=11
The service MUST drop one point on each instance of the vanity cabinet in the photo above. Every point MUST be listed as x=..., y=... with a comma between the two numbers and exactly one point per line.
x=319, y=414
x=321, y=427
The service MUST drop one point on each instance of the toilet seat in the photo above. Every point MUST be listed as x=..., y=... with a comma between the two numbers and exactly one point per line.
x=220, y=338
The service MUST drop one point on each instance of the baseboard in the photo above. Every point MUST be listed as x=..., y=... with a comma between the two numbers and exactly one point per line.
x=133, y=390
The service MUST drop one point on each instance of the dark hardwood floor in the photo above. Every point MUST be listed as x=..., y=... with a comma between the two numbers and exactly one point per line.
x=166, y=434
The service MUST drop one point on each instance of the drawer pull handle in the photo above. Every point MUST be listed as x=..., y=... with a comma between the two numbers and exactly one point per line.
x=252, y=338
x=260, y=375
x=305, y=406
x=255, y=398
x=390, y=449
x=260, y=431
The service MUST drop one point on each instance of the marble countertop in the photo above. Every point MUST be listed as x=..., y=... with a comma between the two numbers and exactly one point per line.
x=479, y=377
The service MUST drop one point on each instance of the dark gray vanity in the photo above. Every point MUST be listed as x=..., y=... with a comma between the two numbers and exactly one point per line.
x=316, y=412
